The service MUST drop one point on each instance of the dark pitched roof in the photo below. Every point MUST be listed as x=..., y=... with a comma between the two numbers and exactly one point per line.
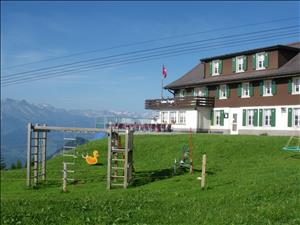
x=295, y=44
x=195, y=76
x=269, y=48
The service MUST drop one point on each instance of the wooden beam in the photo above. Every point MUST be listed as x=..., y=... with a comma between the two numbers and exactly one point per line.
x=109, y=158
x=127, y=145
x=28, y=177
x=69, y=129
x=65, y=177
x=203, y=171
x=36, y=158
x=44, y=151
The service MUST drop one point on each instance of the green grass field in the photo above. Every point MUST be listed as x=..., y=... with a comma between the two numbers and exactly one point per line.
x=250, y=180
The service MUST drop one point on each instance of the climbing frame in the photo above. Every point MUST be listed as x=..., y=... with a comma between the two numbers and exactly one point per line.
x=36, y=154
x=119, y=159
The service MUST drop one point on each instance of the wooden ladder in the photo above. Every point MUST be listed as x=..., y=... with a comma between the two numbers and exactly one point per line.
x=69, y=157
x=120, y=164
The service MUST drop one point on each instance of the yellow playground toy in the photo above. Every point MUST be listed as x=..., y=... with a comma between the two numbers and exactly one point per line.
x=91, y=160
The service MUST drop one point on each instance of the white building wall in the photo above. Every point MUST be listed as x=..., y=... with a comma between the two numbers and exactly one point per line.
x=191, y=121
x=204, y=119
x=281, y=122
x=201, y=121
x=194, y=119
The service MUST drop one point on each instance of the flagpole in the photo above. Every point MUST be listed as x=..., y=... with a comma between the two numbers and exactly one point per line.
x=162, y=86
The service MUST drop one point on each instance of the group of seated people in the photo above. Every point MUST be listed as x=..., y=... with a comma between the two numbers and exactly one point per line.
x=144, y=127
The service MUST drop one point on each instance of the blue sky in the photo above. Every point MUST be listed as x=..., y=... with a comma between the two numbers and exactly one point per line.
x=34, y=31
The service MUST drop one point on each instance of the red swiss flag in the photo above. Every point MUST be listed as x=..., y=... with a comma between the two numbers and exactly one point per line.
x=164, y=71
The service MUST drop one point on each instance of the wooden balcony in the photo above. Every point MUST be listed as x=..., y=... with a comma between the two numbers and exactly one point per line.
x=190, y=102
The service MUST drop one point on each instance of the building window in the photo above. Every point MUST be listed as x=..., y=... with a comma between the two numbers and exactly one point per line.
x=245, y=90
x=182, y=93
x=296, y=117
x=250, y=117
x=296, y=85
x=181, y=117
x=217, y=117
x=267, y=88
x=267, y=117
x=215, y=68
x=164, y=117
x=200, y=92
x=172, y=117
x=260, y=58
x=223, y=91
x=239, y=64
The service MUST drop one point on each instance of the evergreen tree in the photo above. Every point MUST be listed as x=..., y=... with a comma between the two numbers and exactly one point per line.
x=19, y=164
x=2, y=163
x=13, y=166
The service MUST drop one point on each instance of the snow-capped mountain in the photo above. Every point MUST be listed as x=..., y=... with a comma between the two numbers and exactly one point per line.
x=15, y=114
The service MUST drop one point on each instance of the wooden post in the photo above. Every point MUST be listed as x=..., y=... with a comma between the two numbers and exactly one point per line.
x=126, y=158
x=28, y=177
x=36, y=158
x=65, y=177
x=109, y=158
x=203, y=171
x=191, y=152
x=44, y=148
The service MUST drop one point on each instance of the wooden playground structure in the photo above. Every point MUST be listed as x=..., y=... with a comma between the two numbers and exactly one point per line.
x=120, y=159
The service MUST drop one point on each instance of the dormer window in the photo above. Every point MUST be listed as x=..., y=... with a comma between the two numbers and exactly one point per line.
x=215, y=67
x=239, y=64
x=260, y=58
x=260, y=61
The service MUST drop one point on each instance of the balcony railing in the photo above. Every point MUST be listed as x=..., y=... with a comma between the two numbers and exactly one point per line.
x=190, y=102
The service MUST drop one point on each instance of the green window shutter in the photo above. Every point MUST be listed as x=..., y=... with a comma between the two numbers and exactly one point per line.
x=261, y=88
x=245, y=63
x=251, y=89
x=222, y=118
x=290, y=87
x=217, y=92
x=255, y=117
x=290, y=114
x=260, y=117
x=266, y=60
x=206, y=91
x=239, y=90
x=220, y=66
x=212, y=117
x=244, y=117
x=233, y=64
x=210, y=68
x=274, y=87
x=273, y=117
x=227, y=90
x=254, y=61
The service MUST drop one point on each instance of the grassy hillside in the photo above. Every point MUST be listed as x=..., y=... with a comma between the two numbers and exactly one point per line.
x=250, y=181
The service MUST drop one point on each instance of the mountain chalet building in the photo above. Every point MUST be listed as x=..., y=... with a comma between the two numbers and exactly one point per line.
x=249, y=92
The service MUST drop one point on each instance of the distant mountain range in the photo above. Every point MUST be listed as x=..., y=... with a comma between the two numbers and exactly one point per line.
x=15, y=114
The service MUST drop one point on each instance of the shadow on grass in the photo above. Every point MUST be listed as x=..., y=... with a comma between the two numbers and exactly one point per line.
x=146, y=177
x=296, y=156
